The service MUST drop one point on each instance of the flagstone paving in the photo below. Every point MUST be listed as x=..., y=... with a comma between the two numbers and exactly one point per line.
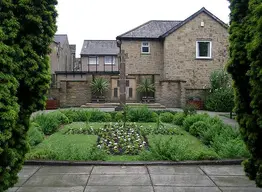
x=134, y=178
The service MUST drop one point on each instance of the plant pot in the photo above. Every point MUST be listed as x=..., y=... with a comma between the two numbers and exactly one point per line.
x=198, y=104
x=51, y=104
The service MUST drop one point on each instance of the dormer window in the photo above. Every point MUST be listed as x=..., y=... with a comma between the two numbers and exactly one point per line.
x=145, y=47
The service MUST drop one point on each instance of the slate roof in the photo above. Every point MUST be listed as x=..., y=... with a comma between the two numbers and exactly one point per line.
x=99, y=47
x=73, y=48
x=150, y=29
x=60, y=38
x=160, y=29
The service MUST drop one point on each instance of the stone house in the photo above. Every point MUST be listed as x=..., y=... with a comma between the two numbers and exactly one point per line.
x=99, y=58
x=178, y=56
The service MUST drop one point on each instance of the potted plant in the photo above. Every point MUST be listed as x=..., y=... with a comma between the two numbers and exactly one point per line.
x=99, y=86
x=195, y=101
x=51, y=103
x=146, y=87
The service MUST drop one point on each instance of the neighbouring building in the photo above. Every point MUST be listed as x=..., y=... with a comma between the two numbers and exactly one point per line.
x=178, y=56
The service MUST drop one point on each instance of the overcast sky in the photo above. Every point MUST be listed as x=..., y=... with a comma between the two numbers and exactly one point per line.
x=106, y=19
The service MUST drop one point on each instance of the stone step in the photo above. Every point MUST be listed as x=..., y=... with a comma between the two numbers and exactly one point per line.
x=113, y=105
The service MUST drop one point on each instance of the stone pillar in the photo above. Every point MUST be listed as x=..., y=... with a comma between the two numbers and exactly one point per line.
x=122, y=57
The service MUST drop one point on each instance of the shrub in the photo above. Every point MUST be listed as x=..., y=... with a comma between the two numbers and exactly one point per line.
x=100, y=116
x=167, y=117
x=77, y=115
x=229, y=147
x=119, y=116
x=220, y=100
x=198, y=128
x=179, y=118
x=159, y=112
x=50, y=122
x=190, y=120
x=142, y=114
x=174, y=149
x=35, y=134
x=189, y=110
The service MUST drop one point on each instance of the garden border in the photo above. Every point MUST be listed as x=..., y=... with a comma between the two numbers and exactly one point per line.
x=134, y=163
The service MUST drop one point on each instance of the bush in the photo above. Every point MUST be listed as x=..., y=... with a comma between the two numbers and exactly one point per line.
x=229, y=147
x=119, y=117
x=159, y=112
x=190, y=120
x=100, y=116
x=220, y=100
x=189, y=110
x=167, y=117
x=50, y=122
x=142, y=114
x=77, y=115
x=174, y=149
x=35, y=134
x=198, y=128
x=179, y=118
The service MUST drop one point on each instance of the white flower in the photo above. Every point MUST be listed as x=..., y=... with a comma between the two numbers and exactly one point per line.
x=115, y=143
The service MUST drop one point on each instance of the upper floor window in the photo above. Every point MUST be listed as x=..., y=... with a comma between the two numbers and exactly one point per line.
x=145, y=47
x=203, y=49
x=93, y=60
x=110, y=60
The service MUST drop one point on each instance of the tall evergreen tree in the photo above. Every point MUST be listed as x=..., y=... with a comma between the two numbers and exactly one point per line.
x=245, y=65
x=27, y=29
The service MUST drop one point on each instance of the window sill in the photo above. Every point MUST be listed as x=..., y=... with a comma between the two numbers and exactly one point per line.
x=93, y=64
x=109, y=64
x=145, y=53
x=203, y=58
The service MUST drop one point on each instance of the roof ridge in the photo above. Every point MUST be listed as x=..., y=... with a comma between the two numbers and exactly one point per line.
x=203, y=9
x=134, y=29
x=167, y=20
x=99, y=40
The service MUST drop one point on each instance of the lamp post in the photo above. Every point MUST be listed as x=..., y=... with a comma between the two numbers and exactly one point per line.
x=122, y=80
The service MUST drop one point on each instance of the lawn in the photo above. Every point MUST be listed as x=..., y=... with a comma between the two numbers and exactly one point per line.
x=145, y=136
x=60, y=146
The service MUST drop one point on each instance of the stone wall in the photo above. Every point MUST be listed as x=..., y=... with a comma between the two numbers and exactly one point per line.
x=180, y=52
x=74, y=93
x=139, y=63
x=170, y=93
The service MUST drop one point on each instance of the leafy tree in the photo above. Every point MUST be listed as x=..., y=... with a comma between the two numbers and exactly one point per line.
x=245, y=65
x=99, y=86
x=146, y=87
x=26, y=31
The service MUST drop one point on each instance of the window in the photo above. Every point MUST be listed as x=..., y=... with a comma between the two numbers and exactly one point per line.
x=145, y=47
x=130, y=92
x=115, y=92
x=93, y=60
x=203, y=49
x=110, y=60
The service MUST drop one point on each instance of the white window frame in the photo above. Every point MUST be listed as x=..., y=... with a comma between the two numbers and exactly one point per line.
x=97, y=60
x=142, y=45
x=197, y=50
x=112, y=59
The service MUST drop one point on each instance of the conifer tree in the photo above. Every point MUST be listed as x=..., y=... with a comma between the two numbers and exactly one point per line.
x=27, y=29
x=245, y=65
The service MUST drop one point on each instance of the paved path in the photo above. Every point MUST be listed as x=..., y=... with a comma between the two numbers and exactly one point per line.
x=134, y=178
